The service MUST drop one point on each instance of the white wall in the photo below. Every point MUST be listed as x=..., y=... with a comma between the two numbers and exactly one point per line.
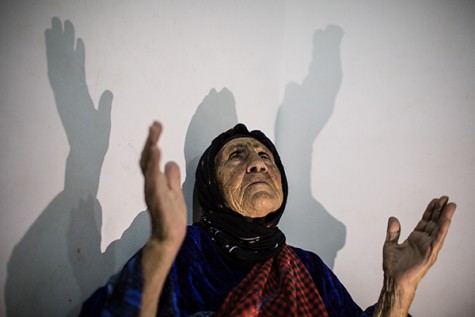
x=371, y=105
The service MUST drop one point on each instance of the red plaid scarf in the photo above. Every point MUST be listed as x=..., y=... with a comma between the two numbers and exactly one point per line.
x=279, y=286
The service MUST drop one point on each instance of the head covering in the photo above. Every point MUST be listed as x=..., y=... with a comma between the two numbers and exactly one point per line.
x=240, y=238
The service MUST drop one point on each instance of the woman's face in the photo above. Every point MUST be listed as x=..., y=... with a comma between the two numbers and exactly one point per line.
x=248, y=178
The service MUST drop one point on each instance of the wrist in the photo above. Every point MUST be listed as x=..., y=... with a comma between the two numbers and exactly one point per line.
x=159, y=251
x=169, y=238
x=157, y=259
x=395, y=299
x=162, y=247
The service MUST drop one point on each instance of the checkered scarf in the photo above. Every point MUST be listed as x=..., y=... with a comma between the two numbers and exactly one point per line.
x=279, y=286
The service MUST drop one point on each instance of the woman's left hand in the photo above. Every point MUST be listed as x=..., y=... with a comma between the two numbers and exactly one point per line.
x=406, y=264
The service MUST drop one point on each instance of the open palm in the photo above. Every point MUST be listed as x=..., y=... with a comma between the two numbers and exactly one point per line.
x=87, y=128
x=408, y=262
x=163, y=194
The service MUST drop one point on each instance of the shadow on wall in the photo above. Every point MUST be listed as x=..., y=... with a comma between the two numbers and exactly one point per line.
x=304, y=112
x=217, y=113
x=307, y=106
x=59, y=261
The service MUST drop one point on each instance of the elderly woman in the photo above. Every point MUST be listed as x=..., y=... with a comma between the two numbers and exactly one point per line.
x=235, y=261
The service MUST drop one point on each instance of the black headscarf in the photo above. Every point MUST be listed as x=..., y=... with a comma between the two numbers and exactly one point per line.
x=243, y=239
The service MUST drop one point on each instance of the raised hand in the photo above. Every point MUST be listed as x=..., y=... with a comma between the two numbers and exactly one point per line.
x=167, y=210
x=163, y=193
x=406, y=264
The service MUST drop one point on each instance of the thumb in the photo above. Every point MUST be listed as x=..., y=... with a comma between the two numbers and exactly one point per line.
x=393, y=231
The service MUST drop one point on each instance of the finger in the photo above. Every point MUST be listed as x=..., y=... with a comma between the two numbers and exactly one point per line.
x=444, y=224
x=81, y=58
x=105, y=106
x=394, y=230
x=440, y=205
x=56, y=26
x=145, y=151
x=431, y=228
x=52, y=35
x=69, y=35
x=430, y=209
x=150, y=144
x=427, y=215
x=154, y=180
x=172, y=171
x=421, y=225
x=148, y=155
x=448, y=212
x=153, y=164
x=103, y=114
x=54, y=30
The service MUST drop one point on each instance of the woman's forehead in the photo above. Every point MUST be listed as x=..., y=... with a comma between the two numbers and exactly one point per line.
x=242, y=142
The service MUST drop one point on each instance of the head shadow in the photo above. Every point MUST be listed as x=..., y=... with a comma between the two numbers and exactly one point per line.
x=305, y=110
x=215, y=114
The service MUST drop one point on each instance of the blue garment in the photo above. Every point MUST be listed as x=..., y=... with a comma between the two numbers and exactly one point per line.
x=200, y=280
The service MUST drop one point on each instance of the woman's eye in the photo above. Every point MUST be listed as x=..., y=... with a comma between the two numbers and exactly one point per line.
x=234, y=155
x=264, y=155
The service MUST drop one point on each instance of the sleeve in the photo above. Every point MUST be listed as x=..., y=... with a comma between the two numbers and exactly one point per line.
x=122, y=294
x=370, y=310
x=338, y=301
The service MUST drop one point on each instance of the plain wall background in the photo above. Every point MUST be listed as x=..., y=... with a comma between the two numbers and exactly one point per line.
x=371, y=104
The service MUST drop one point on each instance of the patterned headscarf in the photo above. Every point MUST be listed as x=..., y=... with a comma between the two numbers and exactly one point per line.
x=240, y=238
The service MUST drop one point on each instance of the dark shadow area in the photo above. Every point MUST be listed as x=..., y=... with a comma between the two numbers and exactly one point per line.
x=58, y=262
x=304, y=112
x=217, y=113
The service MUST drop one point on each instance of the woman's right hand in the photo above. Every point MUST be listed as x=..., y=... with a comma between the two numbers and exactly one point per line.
x=163, y=194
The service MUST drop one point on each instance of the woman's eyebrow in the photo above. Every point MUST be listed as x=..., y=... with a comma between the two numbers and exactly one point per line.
x=242, y=146
x=237, y=146
x=261, y=147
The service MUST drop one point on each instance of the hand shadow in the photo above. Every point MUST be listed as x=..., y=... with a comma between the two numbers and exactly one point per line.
x=303, y=114
x=58, y=262
x=217, y=113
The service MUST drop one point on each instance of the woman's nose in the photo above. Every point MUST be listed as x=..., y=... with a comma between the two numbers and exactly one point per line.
x=256, y=164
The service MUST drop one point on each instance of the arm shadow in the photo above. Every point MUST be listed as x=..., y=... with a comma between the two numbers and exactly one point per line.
x=58, y=262
x=305, y=110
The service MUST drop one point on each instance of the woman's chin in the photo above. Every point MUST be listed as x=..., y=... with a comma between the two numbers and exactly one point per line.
x=261, y=208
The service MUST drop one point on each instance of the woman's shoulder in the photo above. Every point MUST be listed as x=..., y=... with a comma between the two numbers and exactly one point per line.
x=320, y=272
x=310, y=258
x=197, y=246
x=196, y=238
x=200, y=249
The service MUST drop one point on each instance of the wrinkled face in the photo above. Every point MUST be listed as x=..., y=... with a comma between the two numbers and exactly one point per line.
x=248, y=178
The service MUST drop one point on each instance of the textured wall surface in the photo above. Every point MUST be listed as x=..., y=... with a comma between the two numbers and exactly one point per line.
x=371, y=105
